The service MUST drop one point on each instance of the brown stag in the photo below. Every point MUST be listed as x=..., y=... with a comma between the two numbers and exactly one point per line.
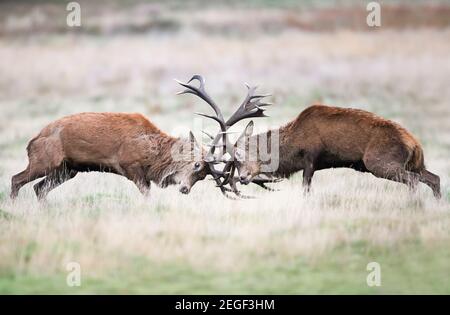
x=323, y=137
x=124, y=144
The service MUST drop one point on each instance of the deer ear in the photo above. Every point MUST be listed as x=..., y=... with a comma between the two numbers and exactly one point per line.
x=193, y=140
x=246, y=133
x=249, y=129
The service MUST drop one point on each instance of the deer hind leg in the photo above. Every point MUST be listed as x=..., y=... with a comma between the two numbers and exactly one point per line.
x=52, y=181
x=433, y=181
x=389, y=160
x=391, y=166
x=397, y=173
x=31, y=173
x=45, y=155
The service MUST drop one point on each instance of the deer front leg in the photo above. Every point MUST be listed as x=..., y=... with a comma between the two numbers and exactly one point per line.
x=52, y=181
x=308, y=173
x=136, y=174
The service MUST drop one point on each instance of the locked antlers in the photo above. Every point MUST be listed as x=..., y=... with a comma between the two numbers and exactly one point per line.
x=251, y=107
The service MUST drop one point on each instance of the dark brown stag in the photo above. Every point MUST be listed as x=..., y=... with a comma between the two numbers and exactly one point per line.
x=323, y=137
x=124, y=144
x=251, y=107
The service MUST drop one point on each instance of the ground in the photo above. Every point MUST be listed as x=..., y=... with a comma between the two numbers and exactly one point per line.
x=280, y=242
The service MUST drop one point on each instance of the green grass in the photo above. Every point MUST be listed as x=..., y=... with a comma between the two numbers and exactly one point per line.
x=411, y=269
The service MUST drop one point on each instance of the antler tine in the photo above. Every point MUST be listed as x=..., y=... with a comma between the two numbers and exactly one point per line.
x=262, y=181
x=268, y=179
x=214, y=145
x=224, y=190
x=208, y=135
x=228, y=170
x=221, y=123
x=236, y=191
x=257, y=180
x=200, y=92
x=262, y=185
x=231, y=180
x=216, y=174
x=251, y=107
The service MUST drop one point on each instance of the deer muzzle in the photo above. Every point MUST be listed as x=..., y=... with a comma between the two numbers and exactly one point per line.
x=184, y=190
x=245, y=179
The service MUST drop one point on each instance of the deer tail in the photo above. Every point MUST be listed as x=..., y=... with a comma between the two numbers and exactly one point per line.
x=416, y=162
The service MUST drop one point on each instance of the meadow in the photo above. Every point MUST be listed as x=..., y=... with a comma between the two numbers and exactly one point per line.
x=280, y=242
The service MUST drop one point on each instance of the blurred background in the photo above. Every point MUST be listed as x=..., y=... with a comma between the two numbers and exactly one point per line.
x=125, y=55
x=124, y=58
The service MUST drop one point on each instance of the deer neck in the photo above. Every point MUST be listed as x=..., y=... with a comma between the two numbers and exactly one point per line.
x=288, y=160
x=160, y=160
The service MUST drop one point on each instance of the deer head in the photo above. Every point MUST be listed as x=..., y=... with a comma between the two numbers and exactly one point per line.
x=187, y=164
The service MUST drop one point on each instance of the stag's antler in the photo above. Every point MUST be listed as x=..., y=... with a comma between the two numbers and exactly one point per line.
x=200, y=92
x=251, y=107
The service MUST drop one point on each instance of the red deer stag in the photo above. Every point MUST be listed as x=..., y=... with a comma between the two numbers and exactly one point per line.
x=324, y=137
x=123, y=144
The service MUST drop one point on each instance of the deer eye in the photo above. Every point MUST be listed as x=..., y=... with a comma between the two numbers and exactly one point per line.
x=197, y=165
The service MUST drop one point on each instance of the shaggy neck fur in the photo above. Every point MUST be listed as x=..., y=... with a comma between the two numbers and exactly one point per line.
x=171, y=156
x=289, y=161
x=160, y=162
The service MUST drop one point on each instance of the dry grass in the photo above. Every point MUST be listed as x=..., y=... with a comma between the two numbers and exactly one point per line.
x=102, y=222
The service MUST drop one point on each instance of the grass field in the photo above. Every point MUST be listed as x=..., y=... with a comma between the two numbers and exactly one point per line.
x=280, y=242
